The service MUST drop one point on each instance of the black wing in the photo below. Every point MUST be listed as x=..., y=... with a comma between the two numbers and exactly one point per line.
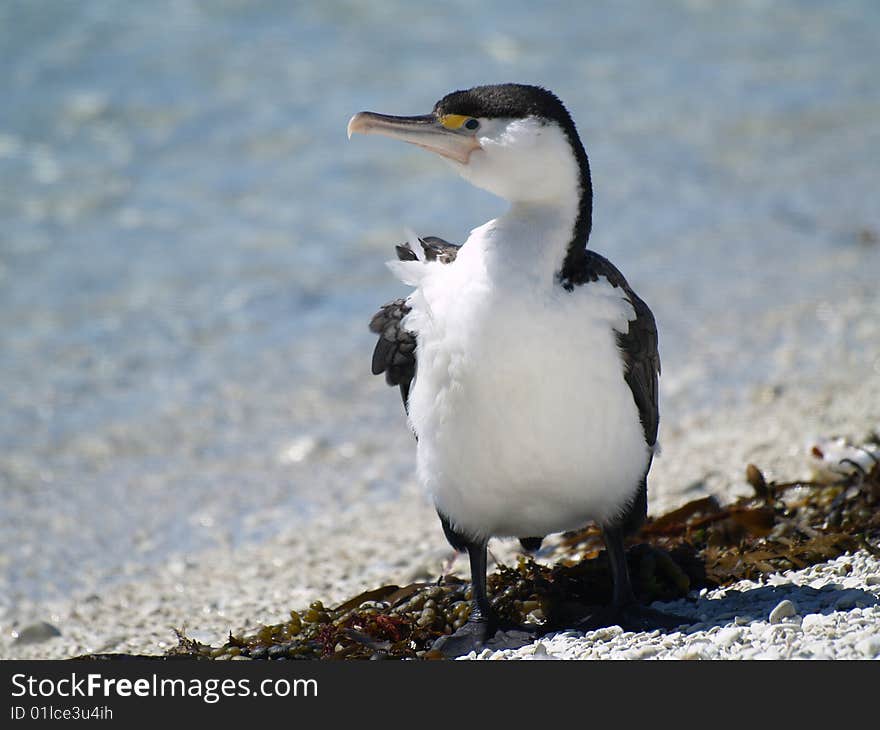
x=641, y=359
x=638, y=345
x=395, y=352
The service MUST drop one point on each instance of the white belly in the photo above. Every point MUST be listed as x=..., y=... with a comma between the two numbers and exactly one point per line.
x=525, y=423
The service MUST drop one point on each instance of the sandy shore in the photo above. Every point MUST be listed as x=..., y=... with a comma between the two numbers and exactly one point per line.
x=341, y=553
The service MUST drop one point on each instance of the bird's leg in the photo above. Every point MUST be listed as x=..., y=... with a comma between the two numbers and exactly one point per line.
x=483, y=627
x=624, y=610
x=481, y=624
x=481, y=611
x=622, y=594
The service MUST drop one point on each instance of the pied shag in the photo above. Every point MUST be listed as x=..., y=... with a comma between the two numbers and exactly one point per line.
x=527, y=364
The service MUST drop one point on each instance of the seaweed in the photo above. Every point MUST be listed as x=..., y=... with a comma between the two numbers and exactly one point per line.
x=702, y=544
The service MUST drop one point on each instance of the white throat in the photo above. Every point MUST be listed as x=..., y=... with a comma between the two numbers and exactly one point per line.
x=529, y=163
x=528, y=243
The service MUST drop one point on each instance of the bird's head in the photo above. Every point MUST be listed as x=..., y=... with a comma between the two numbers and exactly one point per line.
x=516, y=141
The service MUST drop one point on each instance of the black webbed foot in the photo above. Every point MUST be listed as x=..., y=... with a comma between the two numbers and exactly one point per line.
x=624, y=610
x=470, y=637
x=479, y=635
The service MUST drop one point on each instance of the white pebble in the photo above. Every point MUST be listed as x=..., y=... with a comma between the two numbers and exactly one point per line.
x=869, y=646
x=770, y=654
x=644, y=652
x=728, y=636
x=784, y=609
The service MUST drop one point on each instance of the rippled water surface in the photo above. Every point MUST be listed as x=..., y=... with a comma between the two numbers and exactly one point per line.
x=190, y=248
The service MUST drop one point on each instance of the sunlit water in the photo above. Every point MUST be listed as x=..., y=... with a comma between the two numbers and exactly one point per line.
x=190, y=248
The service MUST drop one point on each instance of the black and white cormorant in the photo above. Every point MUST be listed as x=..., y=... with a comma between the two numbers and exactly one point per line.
x=528, y=365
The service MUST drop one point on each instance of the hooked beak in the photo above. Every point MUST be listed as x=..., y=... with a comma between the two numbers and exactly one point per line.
x=423, y=131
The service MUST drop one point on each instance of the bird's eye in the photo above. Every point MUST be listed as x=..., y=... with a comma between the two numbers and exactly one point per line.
x=471, y=124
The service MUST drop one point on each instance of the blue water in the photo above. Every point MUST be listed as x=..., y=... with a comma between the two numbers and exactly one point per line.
x=190, y=248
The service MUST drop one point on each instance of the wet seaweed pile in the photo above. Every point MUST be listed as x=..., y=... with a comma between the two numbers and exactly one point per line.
x=704, y=543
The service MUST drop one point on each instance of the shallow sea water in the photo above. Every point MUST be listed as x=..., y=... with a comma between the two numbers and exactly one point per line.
x=190, y=248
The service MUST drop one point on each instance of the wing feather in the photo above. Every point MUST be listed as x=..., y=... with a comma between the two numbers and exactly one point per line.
x=638, y=345
x=395, y=352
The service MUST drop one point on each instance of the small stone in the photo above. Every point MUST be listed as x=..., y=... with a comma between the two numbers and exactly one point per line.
x=873, y=580
x=644, y=652
x=36, y=633
x=784, y=609
x=539, y=653
x=729, y=636
x=870, y=647
x=693, y=653
x=810, y=621
x=770, y=654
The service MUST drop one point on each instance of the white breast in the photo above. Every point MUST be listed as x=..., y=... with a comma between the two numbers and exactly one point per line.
x=525, y=423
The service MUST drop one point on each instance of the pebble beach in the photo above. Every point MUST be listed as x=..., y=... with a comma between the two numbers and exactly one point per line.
x=827, y=611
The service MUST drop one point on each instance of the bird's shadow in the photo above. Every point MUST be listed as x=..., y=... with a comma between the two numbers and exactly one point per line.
x=743, y=607
x=756, y=604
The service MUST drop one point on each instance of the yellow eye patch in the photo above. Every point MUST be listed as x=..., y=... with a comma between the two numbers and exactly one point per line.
x=453, y=121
